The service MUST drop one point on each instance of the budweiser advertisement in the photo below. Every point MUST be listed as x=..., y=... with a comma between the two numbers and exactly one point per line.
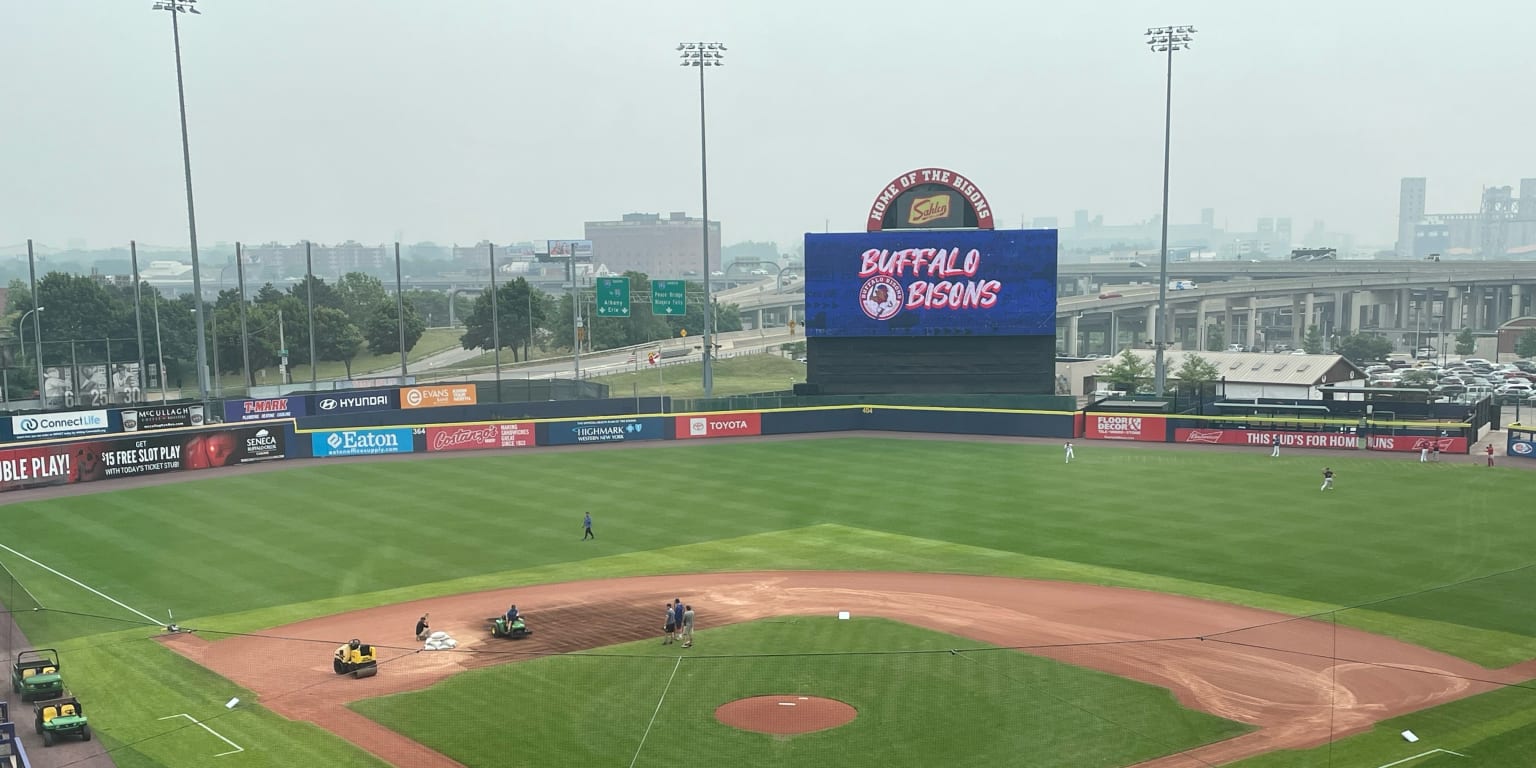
x=479, y=437
x=1324, y=440
x=1415, y=443
x=719, y=425
x=1116, y=426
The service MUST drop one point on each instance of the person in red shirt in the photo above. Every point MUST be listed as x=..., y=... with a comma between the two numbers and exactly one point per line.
x=1489, y=450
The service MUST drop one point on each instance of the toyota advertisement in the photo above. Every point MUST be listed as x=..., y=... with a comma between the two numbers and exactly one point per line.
x=480, y=437
x=362, y=442
x=265, y=409
x=931, y=283
x=719, y=425
x=356, y=402
x=1119, y=426
x=139, y=455
x=606, y=431
x=43, y=425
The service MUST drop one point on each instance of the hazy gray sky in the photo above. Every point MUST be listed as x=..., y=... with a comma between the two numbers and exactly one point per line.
x=469, y=119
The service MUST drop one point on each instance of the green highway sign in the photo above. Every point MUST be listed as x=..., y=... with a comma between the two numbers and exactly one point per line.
x=613, y=297
x=669, y=297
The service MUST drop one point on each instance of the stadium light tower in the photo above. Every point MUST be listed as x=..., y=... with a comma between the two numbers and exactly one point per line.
x=703, y=56
x=175, y=8
x=1166, y=40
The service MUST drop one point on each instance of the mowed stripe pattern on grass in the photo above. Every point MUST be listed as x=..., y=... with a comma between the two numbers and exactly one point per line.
x=1238, y=520
x=978, y=707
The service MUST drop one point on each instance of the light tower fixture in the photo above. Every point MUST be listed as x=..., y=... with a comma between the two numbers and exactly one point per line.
x=1165, y=40
x=703, y=56
x=175, y=8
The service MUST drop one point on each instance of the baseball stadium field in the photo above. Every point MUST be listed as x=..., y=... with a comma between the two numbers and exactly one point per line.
x=1155, y=606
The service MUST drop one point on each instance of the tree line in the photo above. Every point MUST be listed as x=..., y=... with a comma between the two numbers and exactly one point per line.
x=528, y=317
x=87, y=320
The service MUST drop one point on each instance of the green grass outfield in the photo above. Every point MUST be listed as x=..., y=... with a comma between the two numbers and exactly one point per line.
x=250, y=552
x=928, y=707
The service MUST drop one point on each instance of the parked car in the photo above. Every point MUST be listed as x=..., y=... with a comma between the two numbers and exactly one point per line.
x=1236, y=348
x=1525, y=365
x=1477, y=361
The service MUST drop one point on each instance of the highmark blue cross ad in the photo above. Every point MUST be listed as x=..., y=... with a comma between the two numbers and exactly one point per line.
x=931, y=283
x=606, y=430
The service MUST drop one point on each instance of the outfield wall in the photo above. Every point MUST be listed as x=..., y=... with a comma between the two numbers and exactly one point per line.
x=379, y=423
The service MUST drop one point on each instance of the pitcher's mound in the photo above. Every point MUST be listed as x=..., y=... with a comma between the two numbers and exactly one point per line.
x=785, y=714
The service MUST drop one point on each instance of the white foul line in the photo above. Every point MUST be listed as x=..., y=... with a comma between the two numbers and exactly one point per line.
x=1422, y=754
x=237, y=747
x=657, y=712
x=85, y=586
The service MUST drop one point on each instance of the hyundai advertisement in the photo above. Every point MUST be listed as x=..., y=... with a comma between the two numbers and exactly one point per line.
x=356, y=401
x=931, y=283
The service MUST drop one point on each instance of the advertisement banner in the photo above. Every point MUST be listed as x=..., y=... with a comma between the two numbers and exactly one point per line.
x=1323, y=440
x=607, y=430
x=565, y=249
x=1267, y=438
x=361, y=442
x=260, y=444
x=479, y=437
x=36, y=467
x=1107, y=426
x=719, y=425
x=931, y=283
x=262, y=410
x=1524, y=449
x=162, y=417
x=1414, y=443
x=438, y=396
x=133, y=456
x=43, y=425
x=357, y=401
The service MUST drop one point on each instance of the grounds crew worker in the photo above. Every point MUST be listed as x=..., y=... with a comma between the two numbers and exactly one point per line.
x=344, y=655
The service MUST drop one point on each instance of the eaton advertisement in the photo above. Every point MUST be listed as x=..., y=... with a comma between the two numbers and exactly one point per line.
x=262, y=410
x=931, y=283
x=357, y=401
x=361, y=442
x=606, y=431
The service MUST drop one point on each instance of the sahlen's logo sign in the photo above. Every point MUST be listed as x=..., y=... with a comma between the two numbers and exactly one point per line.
x=58, y=424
